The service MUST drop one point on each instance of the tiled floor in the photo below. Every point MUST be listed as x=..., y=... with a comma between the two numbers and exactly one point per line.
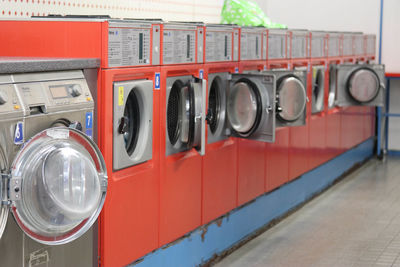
x=355, y=223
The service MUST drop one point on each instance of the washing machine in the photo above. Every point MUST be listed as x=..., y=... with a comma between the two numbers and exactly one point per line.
x=183, y=128
x=54, y=178
x=277, y=153
x=221, y=56
x=333, y=113
x=317, y=121
x=299, y=152
x=128, y=113
x=357, y=86
x=251, y=154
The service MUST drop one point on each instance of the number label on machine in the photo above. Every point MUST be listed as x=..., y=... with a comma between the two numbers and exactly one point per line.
x=157, y=81
x=89, y=124
x=19, y=133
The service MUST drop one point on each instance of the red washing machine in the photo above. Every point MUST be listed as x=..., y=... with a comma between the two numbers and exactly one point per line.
x=251, y=155
x=129, y=136
x=183, y=128
x=221, y=56
x=277, y=153
x=333, y=114
x=319, y=83
x=298, y=137
x=370, y=51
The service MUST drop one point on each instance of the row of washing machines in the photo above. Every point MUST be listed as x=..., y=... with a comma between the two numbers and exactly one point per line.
x=193, y=120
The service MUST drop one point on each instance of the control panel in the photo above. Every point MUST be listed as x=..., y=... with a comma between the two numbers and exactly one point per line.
x=133, y=43
x=222, y=44
x=253, y=43
x=358, y=44
x=60, y=92
x=334, y=45
x=10, y=105
x=299, y=44
x=318, y=44
x=182, y=43
x=277, y=44
x=347, y=44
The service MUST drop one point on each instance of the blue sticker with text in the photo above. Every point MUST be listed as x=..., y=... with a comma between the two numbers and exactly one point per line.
x=201, y=74
x=157, y=81
x=236, y=70
x=19, y=133
x=89, y=120
x=89, y=132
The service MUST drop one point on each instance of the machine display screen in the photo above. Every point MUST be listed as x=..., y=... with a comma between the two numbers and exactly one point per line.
x=140, y=46
x=58, y=91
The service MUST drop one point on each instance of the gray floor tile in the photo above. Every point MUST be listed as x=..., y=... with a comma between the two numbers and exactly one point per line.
x=355, y=223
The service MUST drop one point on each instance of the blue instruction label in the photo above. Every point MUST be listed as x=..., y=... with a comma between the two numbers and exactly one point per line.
x=201, y=74
x=236, y=70
x=89, y=132
x=89, y=120
x=19, y=133
x=157, y=81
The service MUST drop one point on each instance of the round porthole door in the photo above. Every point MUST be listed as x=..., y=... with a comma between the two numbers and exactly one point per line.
x=363, y=85
x=292, y=98
x=58, y=185
x=244, y=107
x=318, y=90
x=3, y=193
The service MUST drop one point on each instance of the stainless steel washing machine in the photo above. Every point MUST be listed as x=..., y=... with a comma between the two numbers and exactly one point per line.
x=54, y=176
x=133, y=127
x=291, y=96
x=185, y=102
x=358, y=84
x=318, y=89
x=242, y=105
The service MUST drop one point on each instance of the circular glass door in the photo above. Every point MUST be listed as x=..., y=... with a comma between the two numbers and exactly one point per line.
x=318, y=90
x=180, y=114
x=3, y=194
x=214, y=105
x=130, y=123
x=291, y=98
x=363, y=85
x=58, y=185
x=244, y=108
x=332, y=86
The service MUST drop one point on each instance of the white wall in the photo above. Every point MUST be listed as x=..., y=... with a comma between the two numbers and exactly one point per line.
x=190, y=10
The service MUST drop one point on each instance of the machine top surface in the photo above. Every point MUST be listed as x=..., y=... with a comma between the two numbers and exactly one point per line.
x=10, y=65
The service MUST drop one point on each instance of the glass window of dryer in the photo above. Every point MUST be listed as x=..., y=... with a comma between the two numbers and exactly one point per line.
x=318, y=90
x=57, y=186
x=363, y=85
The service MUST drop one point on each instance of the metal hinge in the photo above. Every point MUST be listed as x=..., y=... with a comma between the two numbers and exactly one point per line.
x=15, y=188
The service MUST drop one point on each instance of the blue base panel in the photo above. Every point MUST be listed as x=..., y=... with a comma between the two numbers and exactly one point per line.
x=208, y=241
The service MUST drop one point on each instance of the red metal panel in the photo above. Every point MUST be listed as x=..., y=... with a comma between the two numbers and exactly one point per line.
x=333, y=133
x=298, y=151
x=277, y=160
x=50, y=39
x=251, y=170
x=129, y=221
x=317, y=140
x=181, y=173
x=219, y=166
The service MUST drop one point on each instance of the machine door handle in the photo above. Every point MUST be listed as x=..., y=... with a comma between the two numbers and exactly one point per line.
x=76, y=125
x=123, y=125
x=209, y=116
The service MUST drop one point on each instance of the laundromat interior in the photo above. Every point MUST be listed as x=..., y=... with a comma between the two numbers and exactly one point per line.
x=199, y=133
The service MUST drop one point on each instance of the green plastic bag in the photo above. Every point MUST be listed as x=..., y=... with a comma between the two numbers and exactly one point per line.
x=246, y=13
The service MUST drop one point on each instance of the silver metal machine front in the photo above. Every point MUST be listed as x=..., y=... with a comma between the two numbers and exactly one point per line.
x=278, y=44
x=319, y=44
x=318, y=89
x=132, y=123
x=251, y=106
x=291, y=97
x=54, y=178
x=185, y=116
x=358, y=85
x=299, y=43
x=253, y=43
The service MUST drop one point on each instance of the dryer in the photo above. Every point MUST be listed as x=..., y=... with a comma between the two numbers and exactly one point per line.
x=129, y=129
x=183, y=128
x=251, y=154
x=221, y=58
x=277, y=153
x=317, y=121
x=333, y=121
x=54, y=176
